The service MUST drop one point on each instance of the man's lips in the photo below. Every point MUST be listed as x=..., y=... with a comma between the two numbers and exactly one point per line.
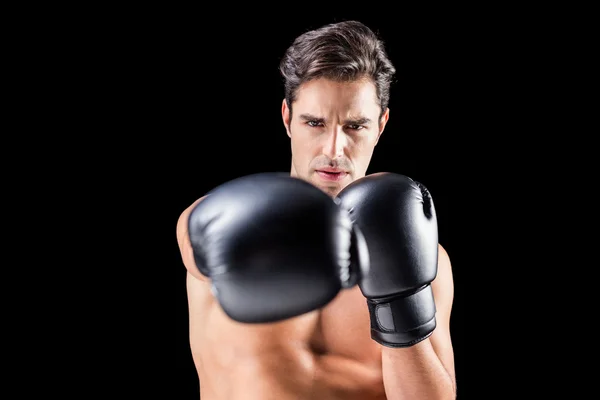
x=331, y=174
x=330, y=169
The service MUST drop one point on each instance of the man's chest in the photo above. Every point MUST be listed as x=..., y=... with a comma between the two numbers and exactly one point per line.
x=345, y=328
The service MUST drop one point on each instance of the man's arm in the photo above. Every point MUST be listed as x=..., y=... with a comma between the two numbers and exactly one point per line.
x=426, y=370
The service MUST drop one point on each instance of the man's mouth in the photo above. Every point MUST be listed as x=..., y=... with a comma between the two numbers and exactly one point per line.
x=331, y=174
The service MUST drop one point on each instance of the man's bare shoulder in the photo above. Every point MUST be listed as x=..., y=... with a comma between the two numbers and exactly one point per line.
x=444, y=281
x=443, y=257
x=183, y=240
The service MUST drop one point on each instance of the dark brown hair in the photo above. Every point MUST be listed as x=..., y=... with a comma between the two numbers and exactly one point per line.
x=342, y=51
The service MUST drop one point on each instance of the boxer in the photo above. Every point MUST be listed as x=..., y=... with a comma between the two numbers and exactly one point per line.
x=324, y=283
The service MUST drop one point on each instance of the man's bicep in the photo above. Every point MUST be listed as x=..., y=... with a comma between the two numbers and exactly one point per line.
x=183, y=240
x=443, y=292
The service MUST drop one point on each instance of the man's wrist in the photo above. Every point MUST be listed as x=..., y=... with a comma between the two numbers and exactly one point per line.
x=403, y=321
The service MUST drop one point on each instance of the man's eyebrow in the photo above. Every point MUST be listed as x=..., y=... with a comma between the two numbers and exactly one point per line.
x=349, y=121
x=310, y=117
x=357, y=121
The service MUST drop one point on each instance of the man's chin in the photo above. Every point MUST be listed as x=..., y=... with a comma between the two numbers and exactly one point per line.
x=331, y=188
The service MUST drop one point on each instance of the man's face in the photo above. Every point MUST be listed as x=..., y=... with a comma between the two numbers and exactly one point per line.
x=334, y=129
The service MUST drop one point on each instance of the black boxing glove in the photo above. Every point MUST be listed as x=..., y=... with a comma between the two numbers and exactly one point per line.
x=274, y=247
x=397, y=218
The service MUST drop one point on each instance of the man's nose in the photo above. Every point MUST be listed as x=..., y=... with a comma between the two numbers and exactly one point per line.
x=336, y=143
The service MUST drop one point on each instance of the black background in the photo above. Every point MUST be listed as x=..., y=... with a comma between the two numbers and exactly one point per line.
x=141, y=109
x=201, y=97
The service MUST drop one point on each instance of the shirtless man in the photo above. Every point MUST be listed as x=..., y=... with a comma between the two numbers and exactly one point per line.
x=325, y=283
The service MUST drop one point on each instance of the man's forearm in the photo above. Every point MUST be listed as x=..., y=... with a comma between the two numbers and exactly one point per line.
x=416, y=373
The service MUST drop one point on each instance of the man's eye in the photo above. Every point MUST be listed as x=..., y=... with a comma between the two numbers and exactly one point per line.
x=355, y=127
x=314, y=123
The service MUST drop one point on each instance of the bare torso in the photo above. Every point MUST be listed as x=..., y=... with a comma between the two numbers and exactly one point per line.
x=326, y=355
x=323, y=355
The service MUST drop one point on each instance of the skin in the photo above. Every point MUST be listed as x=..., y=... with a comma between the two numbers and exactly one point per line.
x=326, y=354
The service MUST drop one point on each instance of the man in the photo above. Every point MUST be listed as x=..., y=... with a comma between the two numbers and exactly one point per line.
x=321, y=284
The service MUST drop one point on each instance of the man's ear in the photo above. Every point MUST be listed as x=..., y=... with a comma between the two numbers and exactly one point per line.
x=285, y=114
x=382, y=123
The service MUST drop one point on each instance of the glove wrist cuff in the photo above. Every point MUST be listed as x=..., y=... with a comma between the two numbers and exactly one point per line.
x=403, y=321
